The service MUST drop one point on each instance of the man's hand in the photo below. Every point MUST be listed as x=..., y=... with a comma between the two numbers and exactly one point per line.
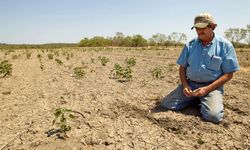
x=187, y=91
x=202, y=91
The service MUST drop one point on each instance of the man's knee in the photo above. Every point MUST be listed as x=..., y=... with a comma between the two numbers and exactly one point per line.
x=171, y=105
x=213, y=116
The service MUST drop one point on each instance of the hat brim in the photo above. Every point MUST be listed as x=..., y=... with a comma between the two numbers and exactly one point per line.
x=200, y=25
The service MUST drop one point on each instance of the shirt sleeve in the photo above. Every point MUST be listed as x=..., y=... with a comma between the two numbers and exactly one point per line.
x=182, y=60
x=230, y=61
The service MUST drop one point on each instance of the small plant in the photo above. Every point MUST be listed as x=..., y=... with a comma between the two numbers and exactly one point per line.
x=28, y=54
x=131, y=61
x=61, y=119
x=71, y=54
x=5, y=68
x=8, y=52
x=15, y=56
x=56, y=53
x=79, y=72
x=117, y=71
x=59, y=61
x=171, y=67
x=41, y=66
x=104, y=60
x=39, y=56
x=157, y=73
x=127, y=73
x=120, y=72
x=67, y=57
x=50, y=56
x=200, y=141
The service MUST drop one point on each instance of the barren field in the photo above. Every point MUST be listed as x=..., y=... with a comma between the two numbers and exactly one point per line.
x=114, y=112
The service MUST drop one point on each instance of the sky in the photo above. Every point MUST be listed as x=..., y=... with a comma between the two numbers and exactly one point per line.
x=69, y=21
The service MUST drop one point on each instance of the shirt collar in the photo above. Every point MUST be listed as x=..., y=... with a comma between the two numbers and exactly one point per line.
x=211, y=43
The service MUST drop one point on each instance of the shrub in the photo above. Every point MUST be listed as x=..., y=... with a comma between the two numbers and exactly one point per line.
x=28, y=54
x=50, y=56
x=120, y=72
x=104, y=60
x=157, y=72
x=61, y=119
x=59, y=61
x=79, y=72
x=5, y=68
x=39, y=56
x=131, y=61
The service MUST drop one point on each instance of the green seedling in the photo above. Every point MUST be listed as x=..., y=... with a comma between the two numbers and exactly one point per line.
x=120, y=72
x=50, y=56
x=28, y=54
x=39, y=56
x=104, y=60
x=200, y=141
x=127, y=74
x=79, y=72
x=56, y=53
x=170, y=67
x=130, y=61
x=62, y=115
x=5, y=68
x=157, y=72
x=59, y=61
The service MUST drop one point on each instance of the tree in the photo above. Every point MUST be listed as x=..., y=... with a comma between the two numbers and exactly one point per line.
x=177, y=38
x=127, y=41
x=138, y=41
x=157, y=39
x=118, y=39
x=235, y=35
x=248, y=34
x=84, y=42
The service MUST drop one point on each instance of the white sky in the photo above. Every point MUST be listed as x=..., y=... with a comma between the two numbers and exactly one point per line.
x=64, y=21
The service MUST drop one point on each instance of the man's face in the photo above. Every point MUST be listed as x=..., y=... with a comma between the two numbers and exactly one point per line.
x=204, y=34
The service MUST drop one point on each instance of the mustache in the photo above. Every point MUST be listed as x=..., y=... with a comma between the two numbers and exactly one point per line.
x=201, y=33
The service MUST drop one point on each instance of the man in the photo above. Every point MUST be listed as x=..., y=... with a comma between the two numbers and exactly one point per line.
x=206, y=64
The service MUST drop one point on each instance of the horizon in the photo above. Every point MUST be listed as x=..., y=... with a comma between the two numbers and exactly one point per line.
x=44, y=22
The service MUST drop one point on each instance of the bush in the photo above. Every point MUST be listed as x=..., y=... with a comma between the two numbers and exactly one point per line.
x=79, y=72
x=131, y=61
x=5, y=68
x=104, y=60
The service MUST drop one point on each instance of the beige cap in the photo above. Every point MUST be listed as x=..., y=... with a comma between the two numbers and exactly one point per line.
x=203, y=20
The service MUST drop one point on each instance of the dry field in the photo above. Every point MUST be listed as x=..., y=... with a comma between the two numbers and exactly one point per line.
x=115, y=113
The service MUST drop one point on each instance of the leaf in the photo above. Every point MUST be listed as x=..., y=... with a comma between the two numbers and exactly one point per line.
x=58, y=112
x=54, y=121
x=72, y=116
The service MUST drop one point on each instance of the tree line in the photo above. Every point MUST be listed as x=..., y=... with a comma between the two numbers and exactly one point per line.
x=158, y=39
x=240, y=37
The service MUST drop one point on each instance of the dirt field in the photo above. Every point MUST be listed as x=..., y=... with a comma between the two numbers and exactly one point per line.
x=115, y=113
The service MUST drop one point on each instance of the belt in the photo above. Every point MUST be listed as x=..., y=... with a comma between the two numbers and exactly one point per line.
x=200, y=82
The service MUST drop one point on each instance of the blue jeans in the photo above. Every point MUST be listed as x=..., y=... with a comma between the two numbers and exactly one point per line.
x=211, y=104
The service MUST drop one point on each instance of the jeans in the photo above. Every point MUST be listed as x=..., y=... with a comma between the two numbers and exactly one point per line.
x=211, y=105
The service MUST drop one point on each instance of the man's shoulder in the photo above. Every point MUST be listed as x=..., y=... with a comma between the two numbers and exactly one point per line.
x=222, y=40
x=192, y=42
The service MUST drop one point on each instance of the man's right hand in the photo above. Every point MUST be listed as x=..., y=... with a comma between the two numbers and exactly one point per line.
x=187, y=91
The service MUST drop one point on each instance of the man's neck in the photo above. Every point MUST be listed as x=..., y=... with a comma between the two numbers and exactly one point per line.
x=208, y=41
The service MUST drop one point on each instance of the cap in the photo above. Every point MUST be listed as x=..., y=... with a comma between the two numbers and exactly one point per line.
x=203, y=20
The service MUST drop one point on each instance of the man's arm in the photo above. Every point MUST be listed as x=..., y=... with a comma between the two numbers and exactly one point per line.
x=214, y=85
x=186, y=89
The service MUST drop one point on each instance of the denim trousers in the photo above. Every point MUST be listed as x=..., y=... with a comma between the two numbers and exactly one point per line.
x=211, y=105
